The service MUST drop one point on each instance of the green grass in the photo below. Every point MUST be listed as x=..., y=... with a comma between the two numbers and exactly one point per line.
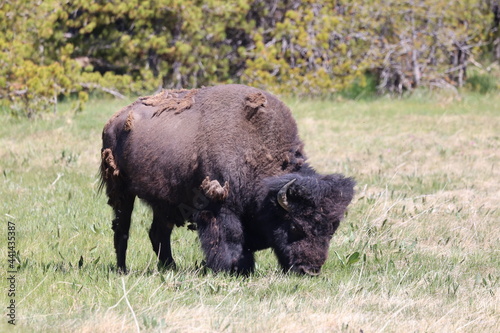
x=418, y=251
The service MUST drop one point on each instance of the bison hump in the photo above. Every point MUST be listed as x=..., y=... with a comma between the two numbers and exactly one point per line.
x=171, y=100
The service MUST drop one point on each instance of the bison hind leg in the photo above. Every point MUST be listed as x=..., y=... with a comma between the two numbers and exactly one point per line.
x=123, y=206
x=159, y=234
x=120, y=200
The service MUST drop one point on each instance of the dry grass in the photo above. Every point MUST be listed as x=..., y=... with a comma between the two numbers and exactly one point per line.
x=424, y=223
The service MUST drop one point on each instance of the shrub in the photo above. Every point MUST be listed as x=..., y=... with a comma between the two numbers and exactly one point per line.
x=482, y=83
x=54, y=49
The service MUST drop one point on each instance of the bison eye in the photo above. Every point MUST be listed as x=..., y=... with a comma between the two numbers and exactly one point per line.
x=296, y=231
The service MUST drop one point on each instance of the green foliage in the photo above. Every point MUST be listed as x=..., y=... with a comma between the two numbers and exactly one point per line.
x=482, y=83
x=30, y=80
x=39, y=66
x=424, y=42
x=55, y=49
x=364, y=87
x=309, y=51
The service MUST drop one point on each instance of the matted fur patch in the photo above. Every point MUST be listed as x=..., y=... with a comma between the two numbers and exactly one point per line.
x=109, y=166
x=214, y=190
x=254, y=102
x=127, y=127
x=171, y=100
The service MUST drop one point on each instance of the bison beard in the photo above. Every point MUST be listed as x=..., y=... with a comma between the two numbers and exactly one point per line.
x=229, y=160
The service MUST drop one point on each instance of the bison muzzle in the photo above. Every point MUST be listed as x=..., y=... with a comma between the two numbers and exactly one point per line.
x=227, y=159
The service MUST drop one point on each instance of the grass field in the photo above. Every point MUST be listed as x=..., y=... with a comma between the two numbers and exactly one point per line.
x=418, y=252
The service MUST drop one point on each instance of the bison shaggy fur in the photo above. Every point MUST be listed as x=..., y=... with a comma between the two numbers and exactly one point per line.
x=227, y=159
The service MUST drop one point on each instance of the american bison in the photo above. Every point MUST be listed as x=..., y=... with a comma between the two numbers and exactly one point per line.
x=229, y=160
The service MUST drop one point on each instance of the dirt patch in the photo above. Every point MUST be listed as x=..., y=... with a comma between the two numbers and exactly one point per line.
x=171, y=100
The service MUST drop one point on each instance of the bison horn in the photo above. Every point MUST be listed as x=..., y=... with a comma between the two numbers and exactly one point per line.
x=282, y=200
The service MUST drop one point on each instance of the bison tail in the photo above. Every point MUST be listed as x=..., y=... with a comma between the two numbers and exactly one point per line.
x=108, y=170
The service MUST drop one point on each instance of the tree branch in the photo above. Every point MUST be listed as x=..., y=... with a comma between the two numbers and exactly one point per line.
x=107, y=90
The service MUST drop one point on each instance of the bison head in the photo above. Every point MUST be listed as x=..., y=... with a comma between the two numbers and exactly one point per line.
x=301, y=213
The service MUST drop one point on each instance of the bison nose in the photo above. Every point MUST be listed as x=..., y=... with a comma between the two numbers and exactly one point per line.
x=311, y=271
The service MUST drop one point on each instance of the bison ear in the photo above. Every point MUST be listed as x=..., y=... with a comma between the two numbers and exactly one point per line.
x=339, y=191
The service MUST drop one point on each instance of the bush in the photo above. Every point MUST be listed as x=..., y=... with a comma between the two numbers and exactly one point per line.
x=482, y=83
x=53, y=49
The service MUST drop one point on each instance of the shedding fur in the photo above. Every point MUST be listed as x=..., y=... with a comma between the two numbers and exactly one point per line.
x=109, y=167
x=171, y=100
x=129, y=122
x=254, y=102
x=213, y=189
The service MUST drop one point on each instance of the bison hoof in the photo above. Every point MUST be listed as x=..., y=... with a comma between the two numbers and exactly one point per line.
x=122, y=270
x=165, y=266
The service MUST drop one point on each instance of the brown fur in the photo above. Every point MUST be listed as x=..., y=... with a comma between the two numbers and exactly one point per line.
x=170, y=100
x=213, y=189
x=109, y=173
x=117, y=114
x=167, y=147
x=129, y=122
x=110, y=167
x=254, y=102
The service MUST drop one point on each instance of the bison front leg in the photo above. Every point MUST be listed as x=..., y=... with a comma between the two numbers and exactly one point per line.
x=222, y=240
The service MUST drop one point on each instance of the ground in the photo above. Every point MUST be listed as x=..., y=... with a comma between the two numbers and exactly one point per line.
x=417, y=252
